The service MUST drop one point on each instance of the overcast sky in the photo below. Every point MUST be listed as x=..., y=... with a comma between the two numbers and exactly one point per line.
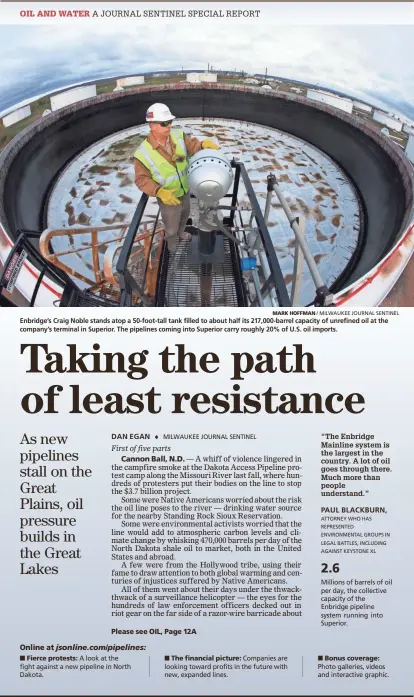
x=375, y=62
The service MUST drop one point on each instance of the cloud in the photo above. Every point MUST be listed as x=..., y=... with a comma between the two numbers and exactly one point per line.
x=370, y=60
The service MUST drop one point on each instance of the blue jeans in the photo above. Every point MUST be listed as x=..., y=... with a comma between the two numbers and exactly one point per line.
x=175, y=219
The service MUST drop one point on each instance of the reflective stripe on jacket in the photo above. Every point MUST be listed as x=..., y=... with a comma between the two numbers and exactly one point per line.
x=169, y=176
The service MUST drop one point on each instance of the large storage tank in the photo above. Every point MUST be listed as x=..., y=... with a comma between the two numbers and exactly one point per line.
x=331, y=99
x=71, y=96
x=16, y=116
x=130, y=81
x=409, y=150
x=201, y=77
x=381, y=117
x=363, y=107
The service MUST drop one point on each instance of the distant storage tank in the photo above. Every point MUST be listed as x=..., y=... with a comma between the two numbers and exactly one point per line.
x=201, y=77
x=266, y=88
x=409, y=150
x=46, y=112
x=363, y=107
x=71, y=96
x=210, y=175
x=385, y=131
x=381, y=117
x=130, y=81
x=331, y=99
x=17, y=116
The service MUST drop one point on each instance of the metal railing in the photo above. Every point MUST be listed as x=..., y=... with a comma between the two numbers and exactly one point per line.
x=323, y=298
x=262, y=283
x=85, y=240
x=22, y=251
x=274, y=278
x=267, y=279
x=129, y=284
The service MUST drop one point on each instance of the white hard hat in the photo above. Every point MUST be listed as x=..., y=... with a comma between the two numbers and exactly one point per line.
x=159, y=112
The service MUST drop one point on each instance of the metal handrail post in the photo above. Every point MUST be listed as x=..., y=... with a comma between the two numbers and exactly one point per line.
x=262, y=260
x=259, y=297
x=268, y=199
x=125, y=278
x=298, y=266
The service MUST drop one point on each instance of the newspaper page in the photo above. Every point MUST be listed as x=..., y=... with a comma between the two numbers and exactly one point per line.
x=206, y=298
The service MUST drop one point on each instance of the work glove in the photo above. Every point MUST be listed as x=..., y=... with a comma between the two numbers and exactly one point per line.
x=208, y=144
x=167, y=197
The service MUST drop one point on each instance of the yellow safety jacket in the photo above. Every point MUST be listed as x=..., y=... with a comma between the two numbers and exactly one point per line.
x=172, y=176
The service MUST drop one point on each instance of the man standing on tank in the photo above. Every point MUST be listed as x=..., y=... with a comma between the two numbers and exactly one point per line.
x=161, y=163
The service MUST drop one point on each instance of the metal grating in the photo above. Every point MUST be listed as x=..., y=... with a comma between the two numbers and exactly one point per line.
x=181, y=284
x=79, y=298
x=143, y=266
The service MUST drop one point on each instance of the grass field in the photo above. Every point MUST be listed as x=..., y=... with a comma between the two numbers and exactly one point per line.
x=105, y=87
x=7, y=134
